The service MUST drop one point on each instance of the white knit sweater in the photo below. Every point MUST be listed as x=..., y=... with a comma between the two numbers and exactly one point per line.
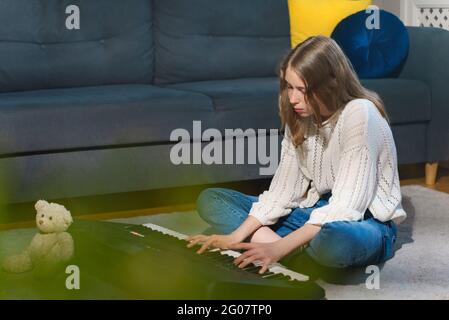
x=354, y=157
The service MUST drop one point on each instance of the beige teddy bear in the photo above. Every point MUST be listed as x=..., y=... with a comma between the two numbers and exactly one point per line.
x=51, y=246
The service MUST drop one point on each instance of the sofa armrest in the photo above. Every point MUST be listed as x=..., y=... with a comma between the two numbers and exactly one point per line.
x=428, y=61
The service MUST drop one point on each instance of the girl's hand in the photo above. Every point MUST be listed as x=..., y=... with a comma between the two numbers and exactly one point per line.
x=267, y=253
x=215, y=240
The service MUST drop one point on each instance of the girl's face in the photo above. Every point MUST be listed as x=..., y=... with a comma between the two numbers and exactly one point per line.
x=296, y=93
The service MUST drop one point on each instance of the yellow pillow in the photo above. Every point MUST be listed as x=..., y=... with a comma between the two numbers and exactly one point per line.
x=319, y=17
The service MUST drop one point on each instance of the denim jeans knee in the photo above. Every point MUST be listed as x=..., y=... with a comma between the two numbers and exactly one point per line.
x=342, y=244
x=205, y=198
x=224, y=209
x=329, y=248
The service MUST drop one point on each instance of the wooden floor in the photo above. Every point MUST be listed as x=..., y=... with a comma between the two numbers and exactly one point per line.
x=408, y=174
x=414, y=174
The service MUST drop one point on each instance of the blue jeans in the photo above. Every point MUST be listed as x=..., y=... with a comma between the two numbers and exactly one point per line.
x=338, y=244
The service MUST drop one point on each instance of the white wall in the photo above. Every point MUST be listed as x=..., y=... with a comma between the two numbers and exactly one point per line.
x=393, y=6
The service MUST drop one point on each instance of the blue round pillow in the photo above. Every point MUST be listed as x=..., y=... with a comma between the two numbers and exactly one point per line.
x=374, y=52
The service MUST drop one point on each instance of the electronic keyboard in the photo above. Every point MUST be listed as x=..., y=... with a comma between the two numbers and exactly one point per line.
x=152, y=262
x=229, y=255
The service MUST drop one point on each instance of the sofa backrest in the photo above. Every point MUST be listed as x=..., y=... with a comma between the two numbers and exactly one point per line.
x=113, y=44
x=219, y=39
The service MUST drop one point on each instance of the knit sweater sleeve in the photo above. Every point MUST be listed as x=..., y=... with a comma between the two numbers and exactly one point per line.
x=286, y=188
x=355, y=182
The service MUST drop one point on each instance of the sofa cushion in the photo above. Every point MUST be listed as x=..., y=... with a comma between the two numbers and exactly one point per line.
x=240, y=103
x=215, y=39
x=375, y=52
x=405, y=100
x=253, y=102
x=112, y=46
x=90, y=117
x=311, y=17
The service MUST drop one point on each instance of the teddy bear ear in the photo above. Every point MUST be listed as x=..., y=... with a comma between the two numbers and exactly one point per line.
x=40, y=204
x=68, y=218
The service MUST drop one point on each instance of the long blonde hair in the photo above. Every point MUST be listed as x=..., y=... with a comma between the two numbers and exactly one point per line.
x=329, y=80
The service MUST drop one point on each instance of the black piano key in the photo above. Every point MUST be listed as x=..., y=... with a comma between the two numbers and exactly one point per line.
x=253, y=269
x=228, y=259
x=210, y=253
x=279, y=276
x=221, y=257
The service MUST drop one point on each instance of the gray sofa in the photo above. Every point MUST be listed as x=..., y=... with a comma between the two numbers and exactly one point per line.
x=90, y=111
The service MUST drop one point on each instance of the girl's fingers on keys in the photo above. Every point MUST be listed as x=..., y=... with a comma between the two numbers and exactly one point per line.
x=247, y=261
x=205, y=246
x=194, y=242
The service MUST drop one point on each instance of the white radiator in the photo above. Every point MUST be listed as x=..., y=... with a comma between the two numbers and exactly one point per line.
x=425, y=13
